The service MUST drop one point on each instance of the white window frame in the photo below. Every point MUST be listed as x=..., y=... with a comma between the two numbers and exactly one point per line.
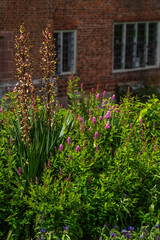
x=124, y=41
x=75, y=50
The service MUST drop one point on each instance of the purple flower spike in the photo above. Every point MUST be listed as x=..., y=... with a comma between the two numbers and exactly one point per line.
x=78, y=148
x=61, y=147
x=113, y=97
x=97, y=96
x=94, y=120
x=69, y=141
x=113, y=234
x=96, y=135
x=140, y=124
x=130, y=228
x=19, y=170
x=104, y=93
x=42, y=230
x=66, y=227
x=108, y=115
x=107, y=125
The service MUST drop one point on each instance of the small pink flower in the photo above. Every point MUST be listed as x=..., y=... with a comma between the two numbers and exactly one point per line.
x=69, y=141
x=78, y=148
x=36, y=180
x=96, y=135
x=107, y=125
x=89, y=129
x=108, y=115
x=1, y=110
x=90, y=112
x=113, y=97
x=15, y=89
x=8, y=88
x=104, y=93
x=140, y=124
x=100, y=117
x=61, y=147
x=94, y=120
x=154, y=148
x=97, y=96
x=19, y=170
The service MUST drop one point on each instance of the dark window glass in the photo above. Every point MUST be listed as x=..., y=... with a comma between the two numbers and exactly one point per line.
x=118, y=46
x=141, y=45
x=68, y=51
x=129, y=56
x=152, y=44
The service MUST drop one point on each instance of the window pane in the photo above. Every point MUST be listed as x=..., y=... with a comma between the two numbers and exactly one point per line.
x=152, y=44
x=141, y=45
x=118, y=46
x=129, y=56
x=68, y=51
x=57, y=37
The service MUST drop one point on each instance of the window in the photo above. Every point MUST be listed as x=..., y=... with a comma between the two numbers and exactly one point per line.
x=65, y=42
x=135, y=45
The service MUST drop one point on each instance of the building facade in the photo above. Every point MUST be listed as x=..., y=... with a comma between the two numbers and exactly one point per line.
x=104, y=42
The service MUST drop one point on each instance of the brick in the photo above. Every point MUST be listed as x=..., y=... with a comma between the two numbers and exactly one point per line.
x=93, y=21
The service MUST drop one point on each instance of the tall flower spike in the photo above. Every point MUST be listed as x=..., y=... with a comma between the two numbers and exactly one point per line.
x=25, y=89
x=48, y=69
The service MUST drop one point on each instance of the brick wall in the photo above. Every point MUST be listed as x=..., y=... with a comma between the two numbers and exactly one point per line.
x=93, y=21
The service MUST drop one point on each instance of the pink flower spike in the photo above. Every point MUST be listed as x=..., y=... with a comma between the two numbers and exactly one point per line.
x=131, y=125
x=113, y=97
x=78, y=148
x=90, y=112
x=61, y=147
x=108, y=115
x=107, y=125
x=80, y=119
x=104, y=93
x=140, y=124
x=96, y=135
x=69, y=157
x=69, y=141
x=1, y=110
x=89, y=129
x=94, y=120
x=100, y=117
x=8, y=88
x=19, y=170
x=97, y=96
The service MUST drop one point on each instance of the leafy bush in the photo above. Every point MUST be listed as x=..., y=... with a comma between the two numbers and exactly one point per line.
x=71, y=173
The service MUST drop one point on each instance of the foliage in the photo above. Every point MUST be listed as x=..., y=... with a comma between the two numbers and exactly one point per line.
x=91, y=165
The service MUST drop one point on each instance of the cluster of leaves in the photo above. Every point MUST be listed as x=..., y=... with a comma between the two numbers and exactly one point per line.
x=66, y=172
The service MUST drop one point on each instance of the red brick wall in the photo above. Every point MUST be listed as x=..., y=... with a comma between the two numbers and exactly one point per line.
x=93, y=21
